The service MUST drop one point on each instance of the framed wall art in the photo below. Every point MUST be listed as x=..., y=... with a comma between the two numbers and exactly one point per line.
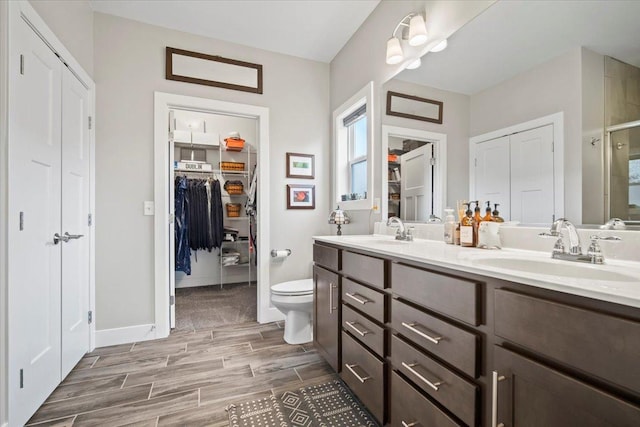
x=414, y=107
x=301, y=196
x=212, y=70
x=300, y=165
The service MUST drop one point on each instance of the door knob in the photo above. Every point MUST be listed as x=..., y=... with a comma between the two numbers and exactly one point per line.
x=57, y=238
x=71, y=236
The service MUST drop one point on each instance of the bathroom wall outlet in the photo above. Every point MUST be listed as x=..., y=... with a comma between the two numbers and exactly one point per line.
x=376, y=205
x=149, y=208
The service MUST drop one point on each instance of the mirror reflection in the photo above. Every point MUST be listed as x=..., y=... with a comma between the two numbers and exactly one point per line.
x=519, y=67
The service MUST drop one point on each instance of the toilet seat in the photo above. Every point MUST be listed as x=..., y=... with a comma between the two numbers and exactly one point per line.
x=293, y=288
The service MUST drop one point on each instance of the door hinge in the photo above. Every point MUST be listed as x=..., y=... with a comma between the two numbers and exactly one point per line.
x=21, y=378
x=21, y=221
x=22, y=64
x=432, y=161
x=90, y=317
x=172, y=300
x=475, y=162
x=90, y=120
x=90, y=220
x=553, y=147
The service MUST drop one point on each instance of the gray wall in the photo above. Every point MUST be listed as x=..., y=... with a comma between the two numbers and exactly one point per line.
x=547, y=89
x=455, y=124
x=72, y=22
x=362, y=60
x=129, y=67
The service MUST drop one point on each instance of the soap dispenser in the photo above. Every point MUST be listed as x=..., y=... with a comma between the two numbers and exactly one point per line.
x=467, y=236
x=496, y=215
x=476, y=213
x=487, y=212
x=449, y=226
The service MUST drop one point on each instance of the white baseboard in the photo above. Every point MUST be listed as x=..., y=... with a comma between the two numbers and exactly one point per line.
x=129, y=334
x=271, y=315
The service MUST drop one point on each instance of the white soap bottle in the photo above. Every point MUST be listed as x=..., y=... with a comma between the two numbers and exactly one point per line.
x=449, y=226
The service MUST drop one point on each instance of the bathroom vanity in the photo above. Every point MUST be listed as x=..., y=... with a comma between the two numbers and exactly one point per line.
x=435, y=335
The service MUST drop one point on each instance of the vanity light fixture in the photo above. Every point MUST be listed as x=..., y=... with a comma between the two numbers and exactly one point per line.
x=417, y=36
x=338, y=217
x=414, y=64
x=440, y=46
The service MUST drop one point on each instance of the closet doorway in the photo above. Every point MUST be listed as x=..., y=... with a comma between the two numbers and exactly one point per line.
x=214, y=192
x=239, y=265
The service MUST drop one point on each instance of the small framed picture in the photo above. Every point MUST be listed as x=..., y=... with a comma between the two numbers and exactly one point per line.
x=300, y=165
x=300, y=196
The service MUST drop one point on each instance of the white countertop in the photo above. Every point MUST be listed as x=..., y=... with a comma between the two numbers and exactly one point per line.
x=615, y=281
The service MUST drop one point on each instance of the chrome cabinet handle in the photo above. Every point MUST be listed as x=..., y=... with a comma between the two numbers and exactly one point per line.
x=361, y=379
x=412, y=328
x=72, y=236
x=331, y=288
x=494, y=398
x=434, y=385
x=356, y=299
x=352, y=326
x=404, y=424
x=57, y=238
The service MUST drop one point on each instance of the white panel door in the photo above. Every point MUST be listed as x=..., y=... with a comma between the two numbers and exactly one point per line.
x=34, y=200
x=492, y=170
x=75, y=226
x=417, y=177
x=532, y=195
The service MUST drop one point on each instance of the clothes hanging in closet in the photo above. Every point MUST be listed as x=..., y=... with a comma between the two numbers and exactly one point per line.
x=198, y=218
x=181, y=229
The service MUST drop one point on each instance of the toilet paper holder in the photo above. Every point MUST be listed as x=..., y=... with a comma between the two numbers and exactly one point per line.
x=275, y=254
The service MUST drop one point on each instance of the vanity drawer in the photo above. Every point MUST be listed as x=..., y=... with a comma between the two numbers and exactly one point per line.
x=453, y=296
x=364, y=374
x=326, y=256
x=450, y=343
x=449, y=389
x=584, y=339
x=363, y=329
x=410, y=408
x=367, y=300
x=364, y=268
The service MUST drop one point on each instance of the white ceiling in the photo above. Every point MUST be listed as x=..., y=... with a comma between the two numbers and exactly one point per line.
x=311, y=29
x=513, y=36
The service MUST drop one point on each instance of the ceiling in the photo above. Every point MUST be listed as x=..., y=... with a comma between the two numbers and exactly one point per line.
x=513, y=36
x=311, y=29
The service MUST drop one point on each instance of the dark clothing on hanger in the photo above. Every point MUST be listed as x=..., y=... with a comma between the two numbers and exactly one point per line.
x=217, y=219
x=181, y=230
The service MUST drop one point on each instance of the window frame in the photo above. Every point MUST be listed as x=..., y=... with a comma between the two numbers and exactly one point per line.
x=341, y=171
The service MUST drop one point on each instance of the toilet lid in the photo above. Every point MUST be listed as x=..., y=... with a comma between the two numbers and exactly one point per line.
x=294, y=287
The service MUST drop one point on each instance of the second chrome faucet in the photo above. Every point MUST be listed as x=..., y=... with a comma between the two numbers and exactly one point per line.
x=594, y=254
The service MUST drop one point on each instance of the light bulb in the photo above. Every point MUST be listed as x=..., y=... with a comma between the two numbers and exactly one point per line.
x=414, y=64
x=417, y=31
x=394, y=51
x=440, y=46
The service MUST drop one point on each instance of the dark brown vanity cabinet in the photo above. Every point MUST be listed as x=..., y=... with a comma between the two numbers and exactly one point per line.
x=424, y=345
x=326, y=304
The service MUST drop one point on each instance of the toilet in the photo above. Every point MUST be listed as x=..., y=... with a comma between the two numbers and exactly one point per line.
x=294, y=299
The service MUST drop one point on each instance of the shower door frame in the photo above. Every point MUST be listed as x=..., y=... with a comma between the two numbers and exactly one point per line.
x=607, y=163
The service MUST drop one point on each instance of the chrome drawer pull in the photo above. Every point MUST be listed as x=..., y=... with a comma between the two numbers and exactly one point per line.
x=409, y=424
x=361, y=379
x=356, y=299
x=352, y=326
x=412, y=328
x=494, y=398
x=433, y=385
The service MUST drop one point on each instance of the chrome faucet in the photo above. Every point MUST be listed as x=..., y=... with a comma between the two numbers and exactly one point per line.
x=614, y=224
x=403, y=233
x=594, y=254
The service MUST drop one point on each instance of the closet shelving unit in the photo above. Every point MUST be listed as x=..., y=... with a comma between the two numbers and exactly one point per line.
x=394, y=183
x=243, y=269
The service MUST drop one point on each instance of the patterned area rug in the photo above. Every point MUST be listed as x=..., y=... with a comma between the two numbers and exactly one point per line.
x=325, y=405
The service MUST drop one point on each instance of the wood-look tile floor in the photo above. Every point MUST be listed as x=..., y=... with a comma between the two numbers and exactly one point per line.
x=186, y=379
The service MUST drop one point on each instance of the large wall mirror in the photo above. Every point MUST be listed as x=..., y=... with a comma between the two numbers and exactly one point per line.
x=575, y=65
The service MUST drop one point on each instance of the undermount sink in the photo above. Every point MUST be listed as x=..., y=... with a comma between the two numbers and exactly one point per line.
x=569, y=270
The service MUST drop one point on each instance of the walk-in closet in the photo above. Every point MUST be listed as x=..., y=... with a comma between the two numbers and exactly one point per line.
x=214, y=230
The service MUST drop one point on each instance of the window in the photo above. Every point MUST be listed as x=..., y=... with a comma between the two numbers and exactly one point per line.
x=353, y=170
